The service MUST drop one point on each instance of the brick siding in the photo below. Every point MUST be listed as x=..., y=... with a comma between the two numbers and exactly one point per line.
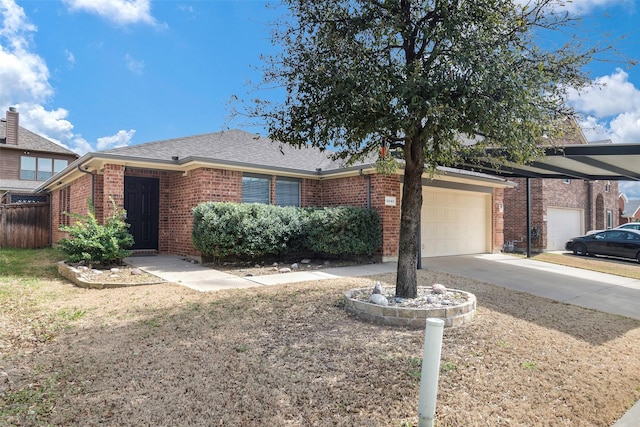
x=547, y=193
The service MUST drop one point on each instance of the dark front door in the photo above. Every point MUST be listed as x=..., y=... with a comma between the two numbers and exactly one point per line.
x=141, y=201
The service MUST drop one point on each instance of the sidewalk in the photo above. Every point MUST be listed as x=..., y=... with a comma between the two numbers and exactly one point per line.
x=176, y=269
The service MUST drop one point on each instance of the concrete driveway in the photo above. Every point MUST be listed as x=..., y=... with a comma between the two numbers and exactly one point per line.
x=599, y=291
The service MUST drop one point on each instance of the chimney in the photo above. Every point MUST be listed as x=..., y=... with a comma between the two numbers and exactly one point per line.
x=12, y=126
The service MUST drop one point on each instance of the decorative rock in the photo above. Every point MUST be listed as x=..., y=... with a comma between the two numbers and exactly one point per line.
x=285, y=270
x=294, y=265
x=378, y=299
x=256, y=266
x=94, y=271
x=305, y=261
x=274, y=269
x=136, y=272
x=377, y=289
x=115, y=270
x=437, y=288
x=275, y=264
x=431, y=299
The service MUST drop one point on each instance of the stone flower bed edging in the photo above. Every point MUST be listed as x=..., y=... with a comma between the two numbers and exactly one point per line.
x=412, y=317
x=75, y=275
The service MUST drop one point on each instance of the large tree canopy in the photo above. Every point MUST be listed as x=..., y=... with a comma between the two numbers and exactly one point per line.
x=417, y=75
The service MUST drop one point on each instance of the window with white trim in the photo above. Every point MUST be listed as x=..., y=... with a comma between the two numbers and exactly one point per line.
x=566, y=181
x=607, y=187
x=609, y=219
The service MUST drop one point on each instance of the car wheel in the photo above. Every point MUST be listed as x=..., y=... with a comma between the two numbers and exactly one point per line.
x=579, y=249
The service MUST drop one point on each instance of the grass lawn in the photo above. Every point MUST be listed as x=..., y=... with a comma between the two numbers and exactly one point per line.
x=617, y=266
x=289, y=355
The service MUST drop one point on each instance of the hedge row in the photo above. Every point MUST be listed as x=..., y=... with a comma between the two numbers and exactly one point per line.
x=256, y=230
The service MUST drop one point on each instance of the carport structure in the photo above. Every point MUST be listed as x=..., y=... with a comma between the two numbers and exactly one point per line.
x=589, y=162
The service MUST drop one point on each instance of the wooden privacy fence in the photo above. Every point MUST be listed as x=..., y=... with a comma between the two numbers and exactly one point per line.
x=24, y=225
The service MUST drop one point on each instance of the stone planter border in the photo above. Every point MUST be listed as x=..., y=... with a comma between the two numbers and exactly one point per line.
x=411, y=317
x=75, y=276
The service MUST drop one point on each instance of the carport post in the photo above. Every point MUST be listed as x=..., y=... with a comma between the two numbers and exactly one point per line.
x=528, y=218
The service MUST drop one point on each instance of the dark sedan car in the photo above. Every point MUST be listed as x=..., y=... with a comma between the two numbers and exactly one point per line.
x=615, y=242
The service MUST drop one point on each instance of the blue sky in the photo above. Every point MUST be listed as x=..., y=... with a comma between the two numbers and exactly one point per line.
x=98, y=74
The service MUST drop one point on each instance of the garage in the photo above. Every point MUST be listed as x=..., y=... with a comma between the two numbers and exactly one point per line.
x=563, y=224
x=455, y=222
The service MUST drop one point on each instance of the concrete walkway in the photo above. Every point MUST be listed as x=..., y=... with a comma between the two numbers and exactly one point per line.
x=603, y=292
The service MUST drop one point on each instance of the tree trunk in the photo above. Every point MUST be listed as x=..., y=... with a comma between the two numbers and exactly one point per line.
x=408, y=251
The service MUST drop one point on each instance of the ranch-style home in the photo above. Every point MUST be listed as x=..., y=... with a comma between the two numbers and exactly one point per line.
x=158, y=183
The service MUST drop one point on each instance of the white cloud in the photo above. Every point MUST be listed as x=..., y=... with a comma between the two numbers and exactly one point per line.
x=120, y=12
x=23, y=74
x=607, y=96
x=25, y=85
x=70, y=57
x=576, y=7
x=581, y=7
x=594, y=130
x=134, y=65
x=120, y=139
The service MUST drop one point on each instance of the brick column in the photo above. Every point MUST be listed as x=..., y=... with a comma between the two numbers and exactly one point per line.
x=382, y=186
x=113, y=187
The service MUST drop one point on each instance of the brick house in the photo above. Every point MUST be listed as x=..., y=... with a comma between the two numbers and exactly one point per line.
x=26, y=161
x=158, y=183
x=560, y=208
x=629, y=209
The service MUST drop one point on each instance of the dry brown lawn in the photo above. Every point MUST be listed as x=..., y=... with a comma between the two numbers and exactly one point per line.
x=164, y=355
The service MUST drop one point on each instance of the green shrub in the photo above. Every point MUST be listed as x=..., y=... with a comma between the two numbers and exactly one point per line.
x=344, y=231
x=94, y=243
x=255, y=230
x=245, y=230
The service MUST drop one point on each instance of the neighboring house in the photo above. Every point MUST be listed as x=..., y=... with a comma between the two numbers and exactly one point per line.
x=630, y=210
x=26, y=161
x=560, y=208
x=159, y=183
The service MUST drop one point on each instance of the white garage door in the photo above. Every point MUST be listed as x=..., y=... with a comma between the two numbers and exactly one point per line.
x=455, y=222
x=562, y=224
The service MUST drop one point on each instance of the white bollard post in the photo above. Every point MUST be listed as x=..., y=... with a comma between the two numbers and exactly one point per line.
x=430, y=372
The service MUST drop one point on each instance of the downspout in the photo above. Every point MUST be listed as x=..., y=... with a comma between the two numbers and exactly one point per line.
x=528, y=218
x=92, y=184
x=50, y=219
x=368, y=190
x=590, y=225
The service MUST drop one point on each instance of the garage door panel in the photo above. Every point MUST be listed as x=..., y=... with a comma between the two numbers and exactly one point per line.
x=562, y=225
x=454, y=222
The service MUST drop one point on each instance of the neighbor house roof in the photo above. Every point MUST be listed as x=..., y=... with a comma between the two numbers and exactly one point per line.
x=630, y=208
x=16, y=185
x=237, y=150
x=28, y=140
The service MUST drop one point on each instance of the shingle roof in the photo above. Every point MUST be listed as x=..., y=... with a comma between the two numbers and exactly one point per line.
x=234, y=146
x=18, y=185
x=31, y=141
x=631, y=207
